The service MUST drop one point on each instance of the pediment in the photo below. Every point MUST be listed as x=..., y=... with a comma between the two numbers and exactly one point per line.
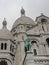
x=33, y=31
x=42, y=16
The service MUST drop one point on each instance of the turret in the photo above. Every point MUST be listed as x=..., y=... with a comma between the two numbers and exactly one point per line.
x=7, y=46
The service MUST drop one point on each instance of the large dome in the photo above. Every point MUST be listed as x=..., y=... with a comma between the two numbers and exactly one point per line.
x=5, y=33
x=23, y=20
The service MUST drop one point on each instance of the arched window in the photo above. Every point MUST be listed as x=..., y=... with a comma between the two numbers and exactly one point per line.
x=1, y=46
x=34, y=47
x=43, y=28
x=43, y=20
x=32, y=42
x=35, y=52
x=3, y=63
x=47, y=40
x=5, y=47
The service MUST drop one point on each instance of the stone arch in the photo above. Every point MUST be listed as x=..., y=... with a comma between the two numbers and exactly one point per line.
x=6, y=60
x=3, y=62
x=34, y=46
x=35, y=40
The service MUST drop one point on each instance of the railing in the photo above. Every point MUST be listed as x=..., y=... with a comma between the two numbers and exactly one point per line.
x=35, y=58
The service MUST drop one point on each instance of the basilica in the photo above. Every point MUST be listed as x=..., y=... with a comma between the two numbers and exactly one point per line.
x=27, y=43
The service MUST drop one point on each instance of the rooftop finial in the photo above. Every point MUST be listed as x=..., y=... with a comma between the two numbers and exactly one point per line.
x=41, y=14
x=4, y=23
x=22, y=11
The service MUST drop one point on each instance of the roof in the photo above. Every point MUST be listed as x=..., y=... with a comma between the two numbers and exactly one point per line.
x=34, y=31
x=42, y=15
x=5, y=33
x=23, y=20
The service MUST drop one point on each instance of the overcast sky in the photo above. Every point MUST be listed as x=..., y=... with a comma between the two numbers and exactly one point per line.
x=10, y=9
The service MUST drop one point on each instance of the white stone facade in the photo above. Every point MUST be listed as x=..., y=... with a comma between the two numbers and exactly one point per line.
x=27, y=43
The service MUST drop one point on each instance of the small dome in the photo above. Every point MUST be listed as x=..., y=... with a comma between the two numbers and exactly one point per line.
x=5, y=33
